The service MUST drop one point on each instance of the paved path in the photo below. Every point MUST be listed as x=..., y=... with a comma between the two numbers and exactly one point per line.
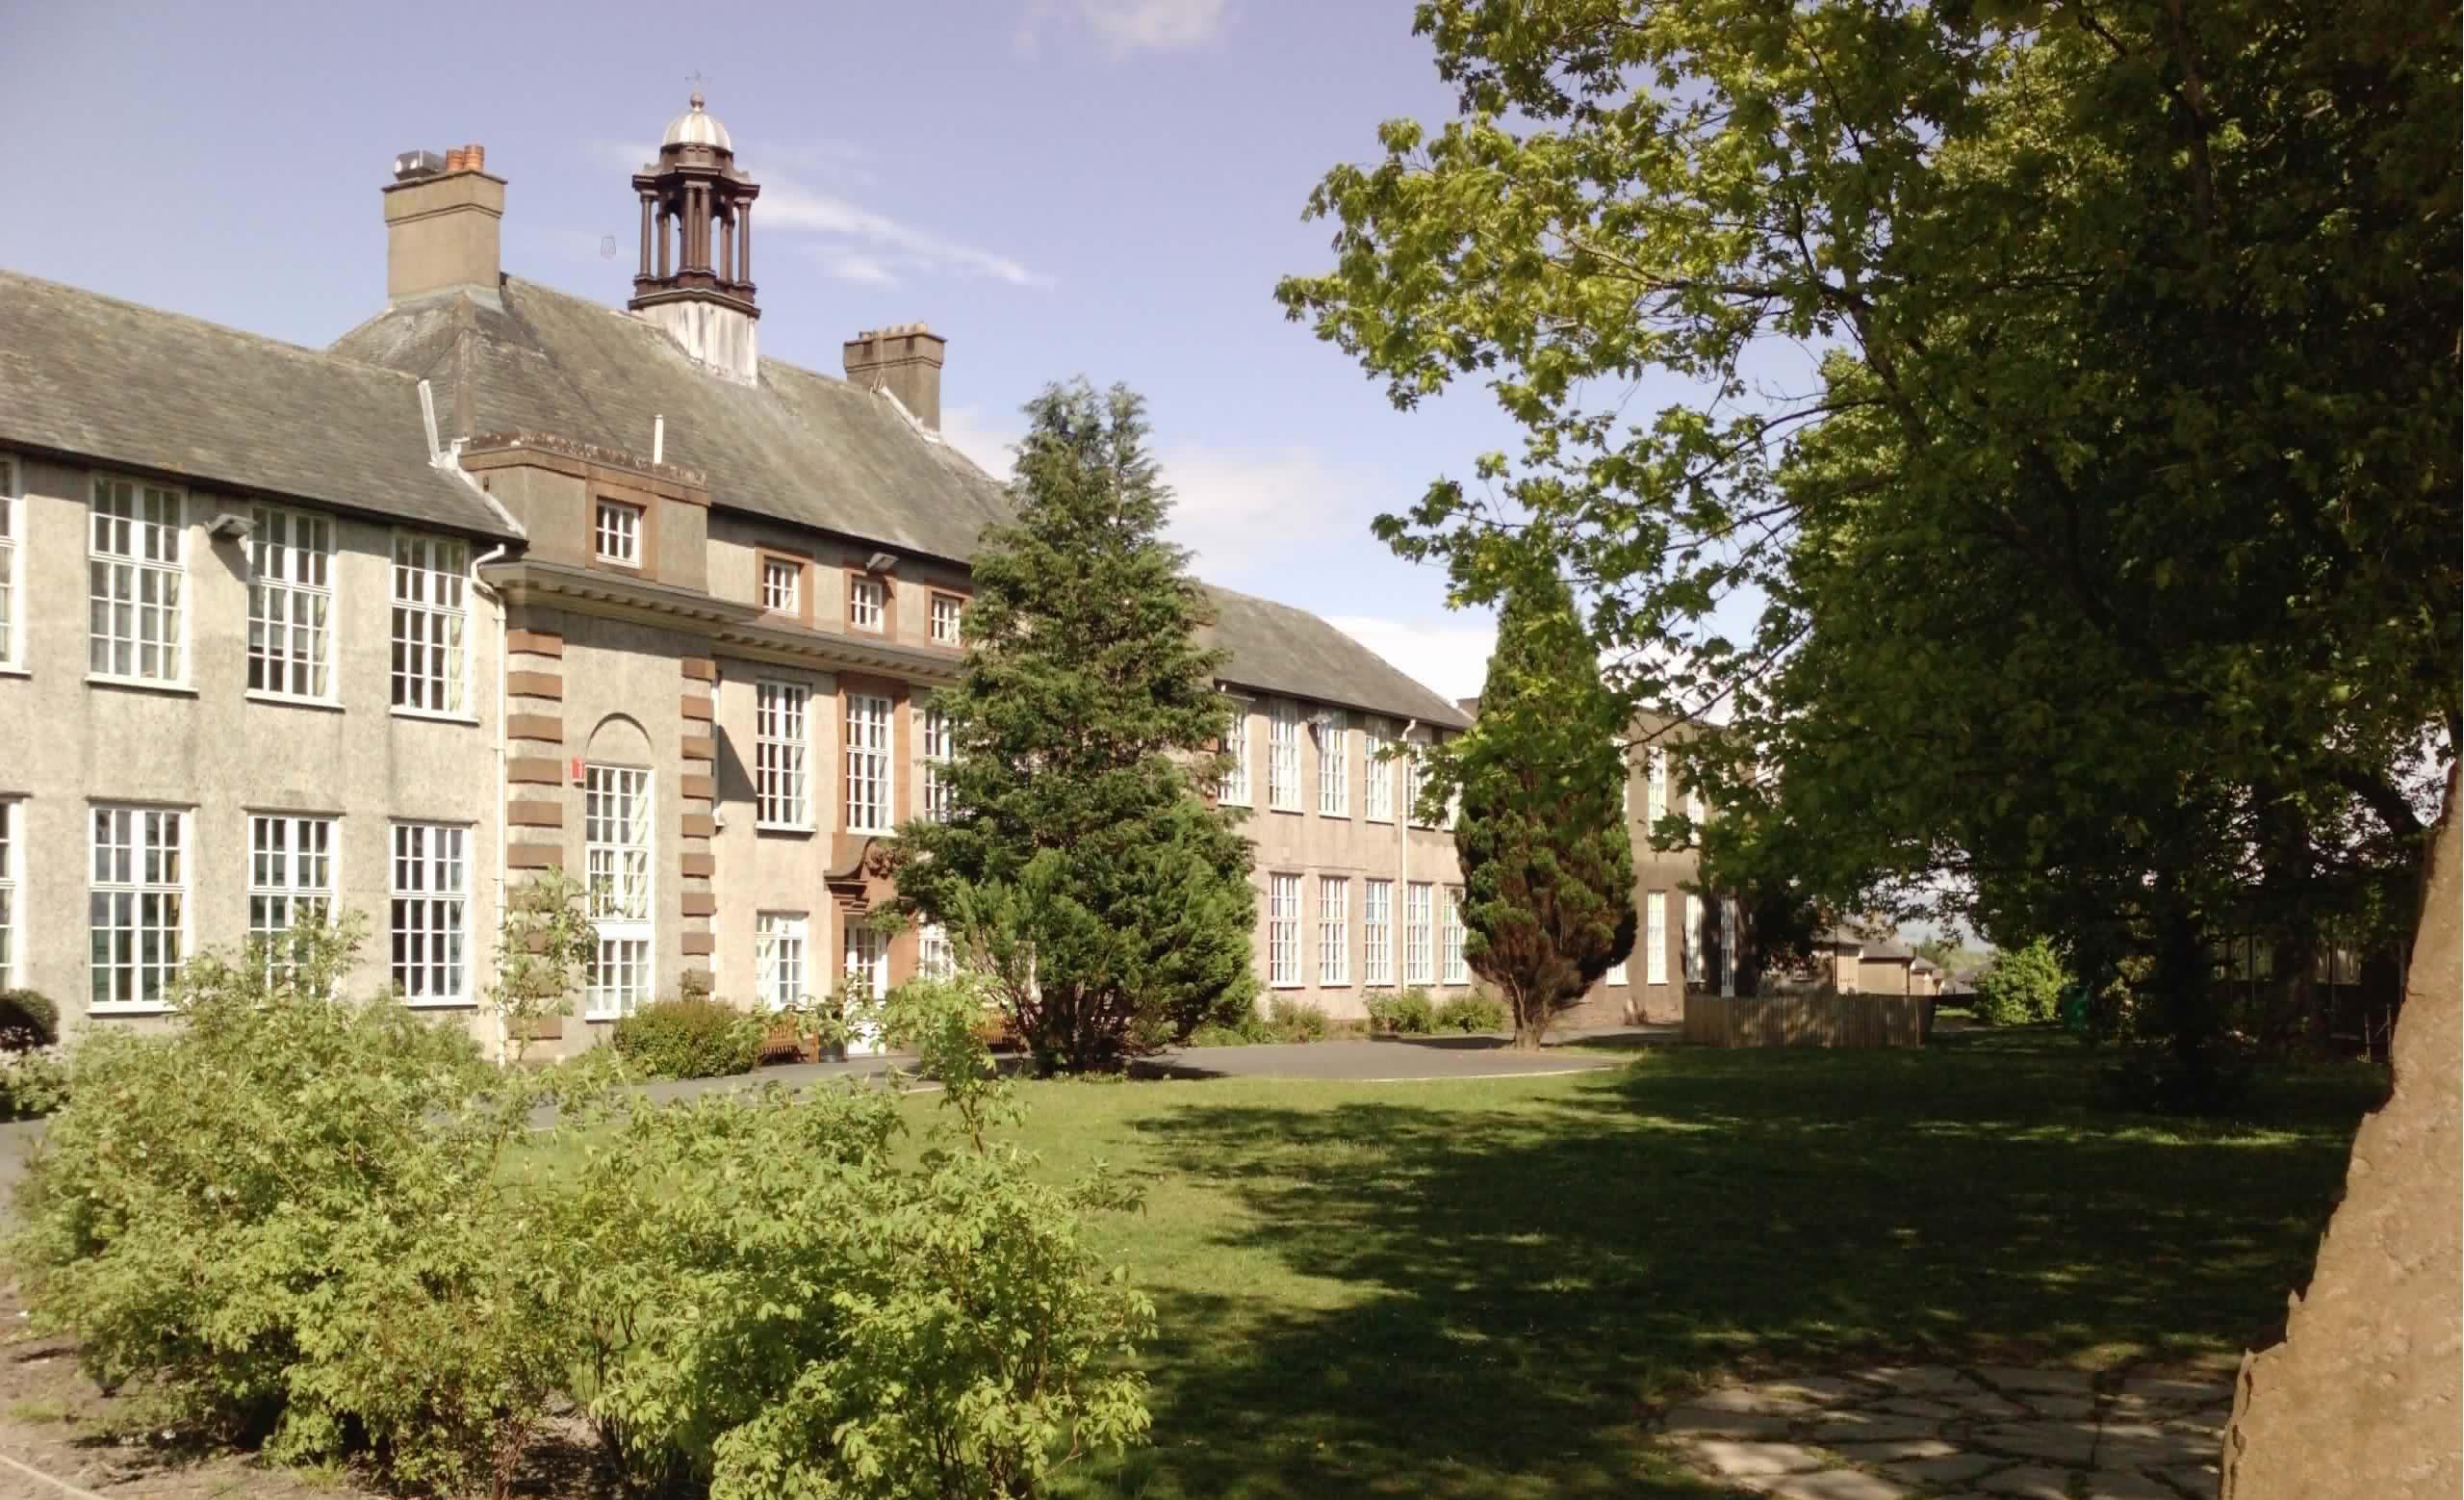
x=1401, y=1059
x=1934, y=1432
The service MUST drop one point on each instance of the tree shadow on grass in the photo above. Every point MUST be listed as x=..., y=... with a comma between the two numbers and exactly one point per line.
x=1519, y=1285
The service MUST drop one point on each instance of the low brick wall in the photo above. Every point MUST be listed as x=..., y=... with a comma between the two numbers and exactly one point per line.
x=1809, y=1020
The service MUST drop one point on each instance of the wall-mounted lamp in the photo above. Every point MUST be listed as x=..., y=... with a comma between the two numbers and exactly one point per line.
x=233, y=524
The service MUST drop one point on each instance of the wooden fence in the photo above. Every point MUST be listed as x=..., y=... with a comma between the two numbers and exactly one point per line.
x=1809, y=1020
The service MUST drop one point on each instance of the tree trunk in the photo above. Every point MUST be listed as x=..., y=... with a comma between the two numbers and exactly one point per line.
x=1530, y=1021
x=2360, y=1399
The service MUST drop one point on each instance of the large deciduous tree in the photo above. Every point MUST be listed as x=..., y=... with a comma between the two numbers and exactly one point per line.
x=1547, y=863
x=1078, y=866
x=2076, y=387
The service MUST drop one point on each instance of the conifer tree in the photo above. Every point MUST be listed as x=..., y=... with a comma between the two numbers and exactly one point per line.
x=1547, y=865
x=1079, y=868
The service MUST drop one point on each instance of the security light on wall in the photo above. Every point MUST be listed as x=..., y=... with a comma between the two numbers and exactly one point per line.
x=232, y=523
x=881, y=562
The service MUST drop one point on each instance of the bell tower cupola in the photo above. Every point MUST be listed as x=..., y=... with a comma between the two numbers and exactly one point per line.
x=696, y=276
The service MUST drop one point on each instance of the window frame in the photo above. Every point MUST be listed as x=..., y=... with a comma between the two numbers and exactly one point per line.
x=1453, y=969
x=325, y=654
x=12, y=842
x=1377, y=932
x=177, y=570
x=1333, y=732
x=445, y=846
x=797, y=596
x=957, y=612
x=935, y=956
x=782, y=753
x=455, y=658
x=882, y=807
x=770, y=931
x=1655, y=787
x=936, y=747
x=292, y=889
x=1283, y=755
x=1234, y=788
x=634, y=533
x=858, y=584
x=1283, y=931
x=1334, y=932
x=624, y=910
x=139, y=849
x=1420, y=946
x=1376, y=774
x=12, y=565
x=1656, y=938
x=1690, y=945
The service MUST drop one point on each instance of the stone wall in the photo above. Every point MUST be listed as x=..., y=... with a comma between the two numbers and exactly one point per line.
x=2362, y=1397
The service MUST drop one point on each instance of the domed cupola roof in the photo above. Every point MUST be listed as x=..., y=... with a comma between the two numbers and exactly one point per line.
x=697, y=127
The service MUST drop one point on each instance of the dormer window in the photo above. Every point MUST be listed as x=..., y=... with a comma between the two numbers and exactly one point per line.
x=864, y=597
x=620, y=533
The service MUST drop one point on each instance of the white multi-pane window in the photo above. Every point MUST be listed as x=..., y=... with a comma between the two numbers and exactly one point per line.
x=783, y=585
x=1283, y=755
x=1377, y=932
x=1283, y=930
x=430, y=615
x=620, y=532
x=1376, y=775
x=1415, y=782
x=1690, y=941
x=935, y=957
x=135, y=582
x=945, y=620
x=1694, y=813
x=1334, y=764
x=290, y=601
x=780, y=957
x=1334, y=930
x=1617, y=972
x=1656, y=938
x=868, y=777
x=291, y=873
x=8, y=895
x=616, y=873
x=940, y=748
x=430, y=886
x=1416, y=965
x=1655, y=786
x=1728, y=944
x=864, y=603
x=13, y=528
x=1456, y=970
x=781, y=793
x=137, y=907
x=1234, y=789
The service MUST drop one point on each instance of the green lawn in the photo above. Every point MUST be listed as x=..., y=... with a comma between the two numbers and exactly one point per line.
x=1480, y=1288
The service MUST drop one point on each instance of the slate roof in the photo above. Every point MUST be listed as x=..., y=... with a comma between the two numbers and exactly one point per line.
x=800, y=447
x=92, y=375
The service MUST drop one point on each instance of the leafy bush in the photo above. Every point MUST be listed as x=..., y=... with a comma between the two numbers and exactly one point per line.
x=1295, y=1020
x=291, y=1218
x=28, y=1019
x=1409, y=1014
x=1471, y=1014
x=1249, y=1031
x=836, y=1321
x=2020, y=988
x=690, y=1038
x=32, y=1083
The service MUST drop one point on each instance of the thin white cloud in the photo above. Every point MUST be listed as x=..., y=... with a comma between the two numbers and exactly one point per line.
x=846, y=265
x=1448, y=655
x=1129, y=26
x=1235, y=507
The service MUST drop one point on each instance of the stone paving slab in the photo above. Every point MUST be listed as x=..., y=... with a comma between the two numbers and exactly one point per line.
x=1994, y=1433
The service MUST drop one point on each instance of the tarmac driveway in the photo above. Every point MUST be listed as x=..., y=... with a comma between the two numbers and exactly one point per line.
x=1403, y=1059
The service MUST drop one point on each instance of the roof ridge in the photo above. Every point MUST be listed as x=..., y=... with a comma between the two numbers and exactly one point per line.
x=525, y=284
x=263, y=340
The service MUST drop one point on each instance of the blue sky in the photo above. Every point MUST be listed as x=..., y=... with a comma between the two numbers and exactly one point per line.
x=1060, y=186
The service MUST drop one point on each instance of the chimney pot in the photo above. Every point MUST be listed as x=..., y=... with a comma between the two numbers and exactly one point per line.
x=475, y=157
x=442, y=227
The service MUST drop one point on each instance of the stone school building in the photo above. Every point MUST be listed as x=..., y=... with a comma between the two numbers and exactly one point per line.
x=508, y=578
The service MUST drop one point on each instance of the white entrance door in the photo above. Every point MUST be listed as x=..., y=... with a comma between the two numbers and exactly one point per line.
x=868, y=967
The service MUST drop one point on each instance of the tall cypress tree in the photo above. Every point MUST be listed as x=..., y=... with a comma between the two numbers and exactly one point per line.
x=1080, y=869
x=1548, y=866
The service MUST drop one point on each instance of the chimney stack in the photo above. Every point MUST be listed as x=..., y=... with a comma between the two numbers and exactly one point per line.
x=440, y=224
x=904, y=360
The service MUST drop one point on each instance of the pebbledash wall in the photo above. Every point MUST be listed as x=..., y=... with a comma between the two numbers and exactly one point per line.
x=430, y=628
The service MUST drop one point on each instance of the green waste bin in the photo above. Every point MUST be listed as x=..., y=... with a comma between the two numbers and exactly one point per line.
x=2072, y=1010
